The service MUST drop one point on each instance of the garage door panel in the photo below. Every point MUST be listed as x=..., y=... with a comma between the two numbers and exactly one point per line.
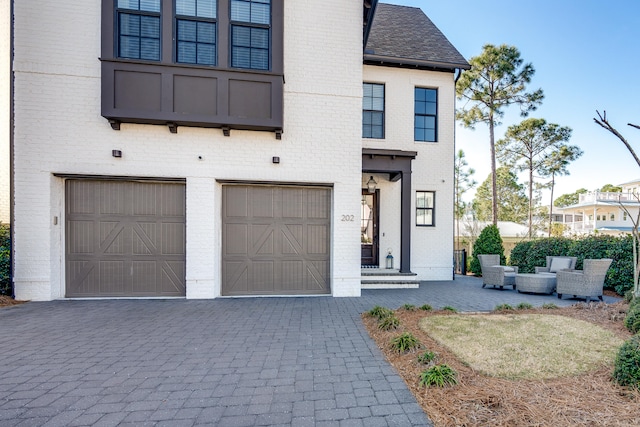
x=144, y=236
x=173, y=238
x=262, y=202
x=292, y=203
x=237, y=276
x=124, y=240
x=280, y=247
x=261, y=239
x=263, y=279
x=237, y=238
x=79, y=237
x=317, y=238
x=111, y=277
x=236, y=202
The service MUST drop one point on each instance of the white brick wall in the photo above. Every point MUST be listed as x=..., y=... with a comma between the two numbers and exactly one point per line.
x=5, y=50
x=432, y=169
x=59, y=130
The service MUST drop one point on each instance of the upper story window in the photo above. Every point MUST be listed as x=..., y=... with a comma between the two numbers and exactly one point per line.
x=426, y=115
x=138, y=29
x=425, y=207
x=196, y=31
x=372, y=110
x=250, y=34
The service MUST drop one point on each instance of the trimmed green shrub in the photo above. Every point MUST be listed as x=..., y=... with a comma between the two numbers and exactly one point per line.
x=409, y=307
x=632, y=319
x=524, y=306
x=627, y=366
x=489, y=242
x=426, y=307
x=533, y=253
x=5, y=260
x=439, y=376
x=405, y=342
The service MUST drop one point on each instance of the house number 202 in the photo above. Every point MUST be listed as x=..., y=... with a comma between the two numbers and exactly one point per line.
x=348, y=218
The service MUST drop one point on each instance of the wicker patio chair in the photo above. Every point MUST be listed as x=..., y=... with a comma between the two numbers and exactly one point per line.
x=494, y=274
x=587, y=283
x=562, y=263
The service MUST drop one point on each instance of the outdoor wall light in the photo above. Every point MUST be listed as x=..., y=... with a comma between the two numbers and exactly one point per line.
x=371, y=185
x=116, y=153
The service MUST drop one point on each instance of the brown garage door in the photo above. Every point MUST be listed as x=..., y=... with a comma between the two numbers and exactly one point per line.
x=275, y=240
x=124, y=238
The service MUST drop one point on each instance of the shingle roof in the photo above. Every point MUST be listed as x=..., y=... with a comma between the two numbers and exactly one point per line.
x=403, y=35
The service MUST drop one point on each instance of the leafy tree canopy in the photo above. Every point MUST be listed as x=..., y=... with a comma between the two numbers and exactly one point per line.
x=610, y=188
x=569, y=199
x=513, y=204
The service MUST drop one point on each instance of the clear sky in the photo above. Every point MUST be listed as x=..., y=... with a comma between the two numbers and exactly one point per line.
x=586, y=54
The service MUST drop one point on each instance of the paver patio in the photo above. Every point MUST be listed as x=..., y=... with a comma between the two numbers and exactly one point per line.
x=224, y=362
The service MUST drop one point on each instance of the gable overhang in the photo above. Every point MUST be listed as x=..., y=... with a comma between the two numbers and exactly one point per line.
x=391, y=61
x=368, y=12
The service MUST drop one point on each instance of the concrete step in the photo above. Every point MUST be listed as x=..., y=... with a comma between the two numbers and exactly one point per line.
x=377, y=278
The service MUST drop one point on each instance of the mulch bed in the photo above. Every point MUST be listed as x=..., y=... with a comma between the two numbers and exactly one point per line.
x=7, y=301
x=591, y=399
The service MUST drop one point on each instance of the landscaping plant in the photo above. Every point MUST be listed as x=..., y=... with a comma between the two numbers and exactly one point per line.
x=5, y=260
x=489, y=242
x=405, y=342
x=439, y=376
x=426, y=307
x=380, y=312
x=388, y=323
x=627, y=366
x=427, y=357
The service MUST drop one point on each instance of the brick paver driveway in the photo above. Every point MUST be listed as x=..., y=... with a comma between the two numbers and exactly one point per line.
x=223, y=362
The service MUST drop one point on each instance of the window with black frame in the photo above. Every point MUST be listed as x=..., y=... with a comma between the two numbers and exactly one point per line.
x=250, y=34
x=373, y=110
x=138, y=23
x=196, y=31
x=426, y=115
x=425, y=207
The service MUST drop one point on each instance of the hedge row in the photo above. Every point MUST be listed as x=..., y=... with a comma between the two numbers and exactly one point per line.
x=527, y=255
x=5, y=285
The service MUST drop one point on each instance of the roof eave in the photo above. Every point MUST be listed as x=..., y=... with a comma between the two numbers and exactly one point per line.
x=373, y=59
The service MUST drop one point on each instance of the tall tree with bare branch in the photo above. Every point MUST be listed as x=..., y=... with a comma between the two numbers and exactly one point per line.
x=496, y=80
x=635, y=230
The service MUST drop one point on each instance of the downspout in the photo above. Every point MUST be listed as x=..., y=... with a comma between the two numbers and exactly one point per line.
x=11, y=156
x=456, y=223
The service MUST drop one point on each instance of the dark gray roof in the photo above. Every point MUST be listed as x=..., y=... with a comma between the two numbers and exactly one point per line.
x=403, y=35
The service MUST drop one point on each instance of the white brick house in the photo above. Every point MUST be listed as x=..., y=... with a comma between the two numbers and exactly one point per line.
x=162, y=149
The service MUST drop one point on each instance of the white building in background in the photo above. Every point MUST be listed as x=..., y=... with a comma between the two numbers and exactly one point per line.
x=601, y=212
x=166, y=151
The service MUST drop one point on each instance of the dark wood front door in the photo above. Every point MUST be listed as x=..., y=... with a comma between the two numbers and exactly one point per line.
x=369, y=228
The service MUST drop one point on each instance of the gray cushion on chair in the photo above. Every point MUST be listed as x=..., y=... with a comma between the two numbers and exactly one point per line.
x=558, y=264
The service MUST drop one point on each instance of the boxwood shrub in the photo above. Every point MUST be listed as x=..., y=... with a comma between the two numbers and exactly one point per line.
x=489, y=242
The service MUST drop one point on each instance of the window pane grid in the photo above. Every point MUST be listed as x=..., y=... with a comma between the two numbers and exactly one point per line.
x=425, y=107
x=196, y=42
x=197, y=8
x=249, y=47
x=139, y=36
x=425, y=206
x=251, y=11
x=373, y=110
